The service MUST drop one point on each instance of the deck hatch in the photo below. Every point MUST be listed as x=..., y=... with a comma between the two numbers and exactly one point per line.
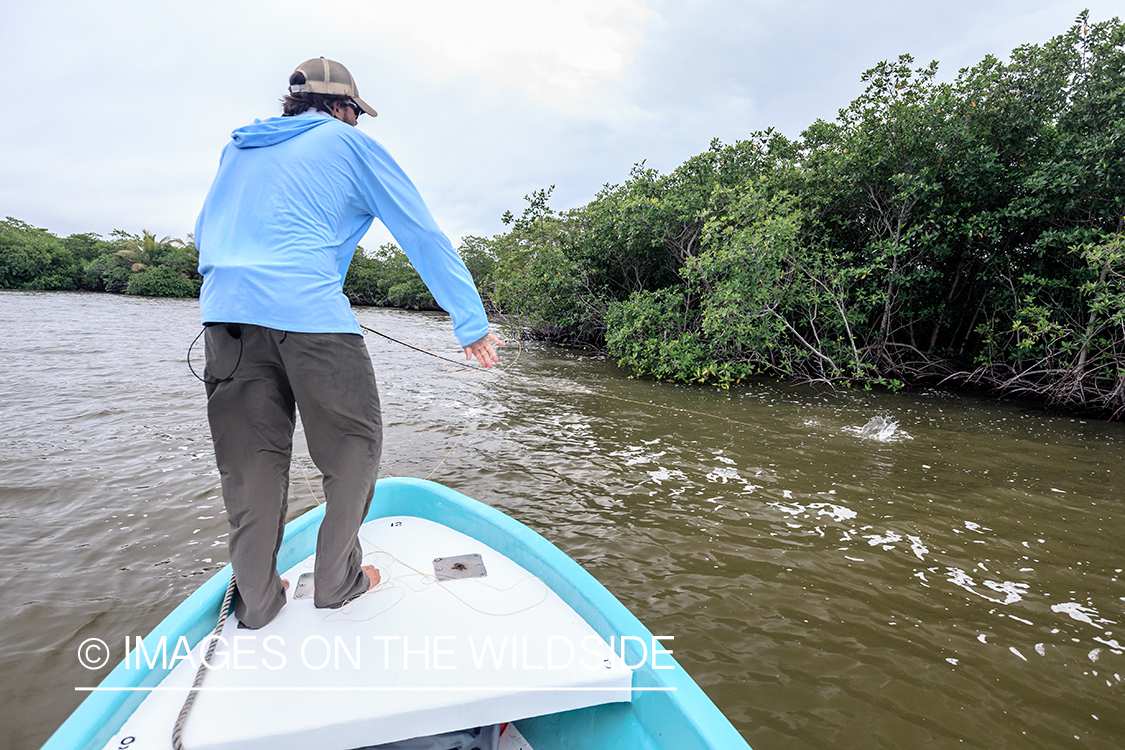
x=459, y=566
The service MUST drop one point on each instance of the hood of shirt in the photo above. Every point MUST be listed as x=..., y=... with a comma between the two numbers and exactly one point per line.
x=275, y=130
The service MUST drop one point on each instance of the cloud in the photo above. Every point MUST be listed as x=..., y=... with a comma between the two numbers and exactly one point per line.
x=556, y=52
x=117, y=110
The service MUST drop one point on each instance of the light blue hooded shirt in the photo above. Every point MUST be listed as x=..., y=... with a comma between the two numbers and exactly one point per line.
x=292, y=198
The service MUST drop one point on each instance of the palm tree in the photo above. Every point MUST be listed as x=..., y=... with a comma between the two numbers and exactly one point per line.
x=146, y=250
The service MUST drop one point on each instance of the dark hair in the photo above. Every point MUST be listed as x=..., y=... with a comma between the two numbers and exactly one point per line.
x=295, y=104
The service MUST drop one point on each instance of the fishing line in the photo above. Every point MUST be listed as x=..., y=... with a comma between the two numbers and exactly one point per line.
x=493, y=376
x=308, y=483
x=555, y=386
x=427, y=579
x=497, y=373
x=344, y=614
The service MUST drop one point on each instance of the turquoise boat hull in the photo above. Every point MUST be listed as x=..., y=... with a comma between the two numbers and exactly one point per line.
x=673, y=713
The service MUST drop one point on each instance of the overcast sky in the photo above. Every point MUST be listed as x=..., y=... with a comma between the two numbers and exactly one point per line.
x=117, y=109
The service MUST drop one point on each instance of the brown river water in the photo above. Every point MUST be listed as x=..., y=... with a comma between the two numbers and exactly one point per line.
x=946, y=576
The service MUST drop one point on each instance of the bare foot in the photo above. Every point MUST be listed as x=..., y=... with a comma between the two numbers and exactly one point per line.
x=285, y=583
x=372, y=575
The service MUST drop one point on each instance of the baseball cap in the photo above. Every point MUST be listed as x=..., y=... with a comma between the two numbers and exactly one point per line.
x=329, y=77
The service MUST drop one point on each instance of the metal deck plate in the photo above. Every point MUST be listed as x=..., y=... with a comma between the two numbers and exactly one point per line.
x=459, y=566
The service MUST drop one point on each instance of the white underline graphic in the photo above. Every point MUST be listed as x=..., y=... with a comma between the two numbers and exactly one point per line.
x=220, y=689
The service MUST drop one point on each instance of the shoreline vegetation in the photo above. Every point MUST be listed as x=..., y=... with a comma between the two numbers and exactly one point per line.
x=967, y=234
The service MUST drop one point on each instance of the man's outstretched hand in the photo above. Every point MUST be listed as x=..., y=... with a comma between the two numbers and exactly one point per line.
x=483, y=350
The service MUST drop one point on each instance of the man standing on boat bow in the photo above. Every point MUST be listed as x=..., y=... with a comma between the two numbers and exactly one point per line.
x=292, y=198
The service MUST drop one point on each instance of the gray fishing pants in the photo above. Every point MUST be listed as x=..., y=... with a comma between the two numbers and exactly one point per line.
x=253, y=383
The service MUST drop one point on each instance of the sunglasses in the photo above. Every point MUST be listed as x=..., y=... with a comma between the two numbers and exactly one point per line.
x=354, y=107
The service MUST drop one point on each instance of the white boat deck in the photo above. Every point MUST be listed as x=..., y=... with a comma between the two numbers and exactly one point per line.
x=416, y=656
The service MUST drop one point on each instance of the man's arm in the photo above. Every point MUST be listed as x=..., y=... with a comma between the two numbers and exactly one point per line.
x=396, y=202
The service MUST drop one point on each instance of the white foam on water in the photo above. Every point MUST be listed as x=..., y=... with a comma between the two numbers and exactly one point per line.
x=663, y=474
x=1017, y=653
x=1013, y=592
x=1040, y=649
x=880, y=430
x=1094, y=655
x=723, y=474
x=836, y=512
x=917, y=547
x=1081, y=613
x=887, y=540
x=960, y=578
x=791, y=510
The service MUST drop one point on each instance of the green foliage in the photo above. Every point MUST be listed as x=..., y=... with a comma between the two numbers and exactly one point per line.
x=32, y=258
x=658, y=333
x=750, y=278
x=85, y=247
x=161, y=281
x=966, y=231
x=558, y=274
x=146, y=266
x=480, y=259
x=108, y=272
x=385, y=278
x=753, y=301
x=542, y=278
